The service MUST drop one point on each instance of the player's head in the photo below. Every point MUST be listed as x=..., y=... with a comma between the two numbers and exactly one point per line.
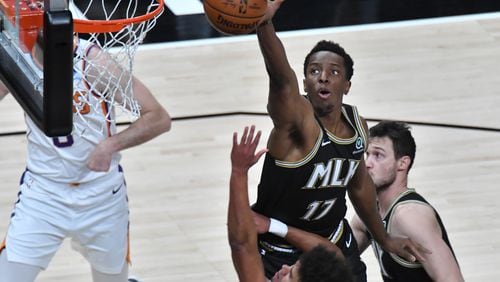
x=327, y=73
x=391, y=150
x=316, y=265
x=325, y=45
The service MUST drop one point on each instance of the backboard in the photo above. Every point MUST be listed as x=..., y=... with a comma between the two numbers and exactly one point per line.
x=44, y=88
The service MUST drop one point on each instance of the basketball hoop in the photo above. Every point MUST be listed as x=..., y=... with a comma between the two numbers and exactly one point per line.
x=116, y=28
x=114, y=25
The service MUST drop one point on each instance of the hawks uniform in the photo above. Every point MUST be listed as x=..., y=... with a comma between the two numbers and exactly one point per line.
x=393, y=267
x=310, y=194
x=59, y=196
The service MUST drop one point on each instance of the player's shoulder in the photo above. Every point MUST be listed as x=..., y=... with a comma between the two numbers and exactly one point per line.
x=411, y=207
x=417, y=221
x=412, y=216
x=352, y=111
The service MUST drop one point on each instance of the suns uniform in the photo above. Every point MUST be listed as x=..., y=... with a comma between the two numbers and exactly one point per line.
x=310, y=194
x=393, y=267
x=61, y=198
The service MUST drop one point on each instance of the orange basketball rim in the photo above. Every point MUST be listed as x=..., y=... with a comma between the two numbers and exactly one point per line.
x=103, y=26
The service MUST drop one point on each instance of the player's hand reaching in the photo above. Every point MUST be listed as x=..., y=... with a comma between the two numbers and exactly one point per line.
x=405, y=248
x=243, y=154
x=272, y=7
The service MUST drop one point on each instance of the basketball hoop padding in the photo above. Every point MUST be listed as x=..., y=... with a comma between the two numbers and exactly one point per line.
x=58, y=73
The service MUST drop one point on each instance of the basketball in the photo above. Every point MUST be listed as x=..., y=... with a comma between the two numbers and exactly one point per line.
x=234, y=17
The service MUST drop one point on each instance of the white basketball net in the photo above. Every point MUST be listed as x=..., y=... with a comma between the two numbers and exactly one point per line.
x=107, y=69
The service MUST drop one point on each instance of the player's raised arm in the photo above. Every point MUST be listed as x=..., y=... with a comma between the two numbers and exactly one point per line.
x=283, y=85
x=241, y=230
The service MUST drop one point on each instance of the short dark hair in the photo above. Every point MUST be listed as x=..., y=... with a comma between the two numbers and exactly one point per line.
x=400, y=135
x=322, y=265
x=325, y=45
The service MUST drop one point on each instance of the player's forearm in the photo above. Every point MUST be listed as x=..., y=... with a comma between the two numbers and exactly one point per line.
x=306, y=241
x=242, y=233
x=274, y=54
x=364, y=202
x=376, y=228
x=374, y=225
x=148, y=126
x=359, y=232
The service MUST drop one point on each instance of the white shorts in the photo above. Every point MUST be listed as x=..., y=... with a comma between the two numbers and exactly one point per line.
x=94, y=215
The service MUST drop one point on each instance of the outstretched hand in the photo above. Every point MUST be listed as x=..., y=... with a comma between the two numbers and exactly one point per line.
x=272, y=7
x=243, y=154
x=406, y=248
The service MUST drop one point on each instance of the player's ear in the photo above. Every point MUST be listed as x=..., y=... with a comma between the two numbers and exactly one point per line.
x=304, y=83
x=347, y=88
x=404, y=163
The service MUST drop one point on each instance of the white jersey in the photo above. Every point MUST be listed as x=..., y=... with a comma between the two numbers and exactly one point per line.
x=63, y=159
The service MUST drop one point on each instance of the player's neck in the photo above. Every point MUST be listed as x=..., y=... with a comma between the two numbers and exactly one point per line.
x=388, y=195
x=336, y=124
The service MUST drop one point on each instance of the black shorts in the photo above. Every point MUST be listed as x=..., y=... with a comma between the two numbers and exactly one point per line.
x=275, y=256
x=349, y=247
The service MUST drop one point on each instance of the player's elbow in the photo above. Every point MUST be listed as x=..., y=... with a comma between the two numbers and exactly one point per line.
x=240, y=238
x=164, y=121
x=239, y=245
x=167, y=121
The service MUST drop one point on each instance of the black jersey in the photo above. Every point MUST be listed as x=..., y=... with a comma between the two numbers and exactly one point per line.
x=393, y=267
x=310, y=194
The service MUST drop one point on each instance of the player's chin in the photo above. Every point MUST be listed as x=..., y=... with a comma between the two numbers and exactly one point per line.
x=324, y=109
